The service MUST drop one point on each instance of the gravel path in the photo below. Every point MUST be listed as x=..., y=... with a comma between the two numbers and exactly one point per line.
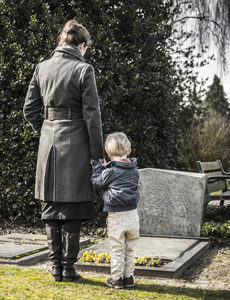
x=211, y=271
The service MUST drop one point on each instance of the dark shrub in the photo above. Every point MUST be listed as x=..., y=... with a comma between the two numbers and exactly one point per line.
x=135, y=75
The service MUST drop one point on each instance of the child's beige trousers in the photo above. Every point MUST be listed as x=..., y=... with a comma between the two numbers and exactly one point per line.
x=123, y=233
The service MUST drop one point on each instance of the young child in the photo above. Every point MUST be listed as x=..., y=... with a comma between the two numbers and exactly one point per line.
x=118, y=182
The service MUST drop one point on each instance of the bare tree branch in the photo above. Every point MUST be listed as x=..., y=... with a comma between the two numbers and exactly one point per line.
x=211, y=24
x=201, y=18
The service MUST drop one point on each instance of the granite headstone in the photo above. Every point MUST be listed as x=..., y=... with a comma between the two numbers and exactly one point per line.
x=171, y=202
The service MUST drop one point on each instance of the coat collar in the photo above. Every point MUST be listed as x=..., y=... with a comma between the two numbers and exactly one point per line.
x=69, y=49
x=124, y=165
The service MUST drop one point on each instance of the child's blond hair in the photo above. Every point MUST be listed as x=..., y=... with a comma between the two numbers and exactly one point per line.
x=117, y=144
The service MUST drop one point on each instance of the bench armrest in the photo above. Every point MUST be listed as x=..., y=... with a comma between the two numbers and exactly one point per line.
x=225, y=173
x=218, y=177
x=221, y=166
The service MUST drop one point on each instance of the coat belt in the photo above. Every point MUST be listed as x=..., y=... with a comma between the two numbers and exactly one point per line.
x=61, y=113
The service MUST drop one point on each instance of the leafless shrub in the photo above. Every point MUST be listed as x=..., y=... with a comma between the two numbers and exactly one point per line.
x=206, y=140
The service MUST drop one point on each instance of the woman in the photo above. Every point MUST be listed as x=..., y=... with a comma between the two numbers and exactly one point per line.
x=71, y=135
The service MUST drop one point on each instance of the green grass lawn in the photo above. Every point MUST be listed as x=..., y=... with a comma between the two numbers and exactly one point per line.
x=30, y=283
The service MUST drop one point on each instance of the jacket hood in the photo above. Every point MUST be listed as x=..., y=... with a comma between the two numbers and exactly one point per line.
x=121, y=164
x=69, y=49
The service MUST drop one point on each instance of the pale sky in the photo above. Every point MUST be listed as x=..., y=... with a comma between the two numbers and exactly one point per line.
x=214, y=67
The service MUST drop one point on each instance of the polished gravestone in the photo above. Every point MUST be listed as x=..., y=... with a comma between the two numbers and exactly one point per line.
x=170, y=211
x=25, y=249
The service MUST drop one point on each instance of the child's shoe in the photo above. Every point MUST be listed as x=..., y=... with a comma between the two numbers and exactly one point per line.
x=116, y=284
x=129, y=282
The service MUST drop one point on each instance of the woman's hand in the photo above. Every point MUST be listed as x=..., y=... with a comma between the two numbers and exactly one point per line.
x=101, y=160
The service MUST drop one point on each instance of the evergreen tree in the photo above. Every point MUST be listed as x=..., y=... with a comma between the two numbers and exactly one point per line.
x=216, y=99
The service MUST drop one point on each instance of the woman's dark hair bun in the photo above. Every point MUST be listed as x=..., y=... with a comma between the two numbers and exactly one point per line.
x=74, y=33
x=71, y=31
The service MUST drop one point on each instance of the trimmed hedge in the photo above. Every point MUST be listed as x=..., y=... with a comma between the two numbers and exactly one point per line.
x=216, y=224
x=136, y=80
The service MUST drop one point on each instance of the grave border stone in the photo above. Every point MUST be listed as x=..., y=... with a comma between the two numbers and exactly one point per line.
x=173, y=269
x=26, y=260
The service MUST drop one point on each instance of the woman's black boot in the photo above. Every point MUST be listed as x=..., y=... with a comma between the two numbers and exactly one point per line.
x=70, y=249
x=54, y=238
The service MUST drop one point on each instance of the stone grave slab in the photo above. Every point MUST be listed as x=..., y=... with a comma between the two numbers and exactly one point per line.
x=26, y=249
x=171, y=202
x=10, y=250
x=24, y=238
x=164, y=248
x=176, y=253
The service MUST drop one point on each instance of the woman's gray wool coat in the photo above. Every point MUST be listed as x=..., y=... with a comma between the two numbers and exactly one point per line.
x=65, y=82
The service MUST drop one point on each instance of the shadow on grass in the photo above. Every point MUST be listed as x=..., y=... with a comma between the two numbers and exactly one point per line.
x=165, y=289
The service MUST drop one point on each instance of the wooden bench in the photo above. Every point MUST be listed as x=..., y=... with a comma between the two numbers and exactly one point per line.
x=217, y=180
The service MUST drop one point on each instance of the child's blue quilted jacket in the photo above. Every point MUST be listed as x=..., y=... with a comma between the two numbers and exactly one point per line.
x=118, y=182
